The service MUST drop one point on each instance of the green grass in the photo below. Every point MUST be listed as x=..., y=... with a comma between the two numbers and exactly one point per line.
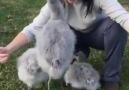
x=14, y=16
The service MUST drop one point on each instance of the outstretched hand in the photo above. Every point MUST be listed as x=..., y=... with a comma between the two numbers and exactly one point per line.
x=4, y=54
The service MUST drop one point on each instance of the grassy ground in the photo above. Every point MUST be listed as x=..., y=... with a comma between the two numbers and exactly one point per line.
x=14, y=15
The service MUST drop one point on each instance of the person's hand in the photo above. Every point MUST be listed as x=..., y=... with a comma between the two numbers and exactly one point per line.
x=4, y=54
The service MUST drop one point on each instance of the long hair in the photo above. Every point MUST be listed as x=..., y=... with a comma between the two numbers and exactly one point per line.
x=89, y=4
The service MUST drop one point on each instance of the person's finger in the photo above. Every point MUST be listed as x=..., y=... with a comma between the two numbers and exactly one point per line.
x=3, y=60
x=3, y=55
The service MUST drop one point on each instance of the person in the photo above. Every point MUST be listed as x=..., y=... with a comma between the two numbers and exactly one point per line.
x=100, y=24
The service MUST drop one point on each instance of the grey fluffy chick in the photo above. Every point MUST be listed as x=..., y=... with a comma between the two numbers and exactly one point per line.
x=55, y=42
x=28, y=70
x=82, y=76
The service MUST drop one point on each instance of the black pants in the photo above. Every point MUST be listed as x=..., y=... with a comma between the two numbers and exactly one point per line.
x=110, y=37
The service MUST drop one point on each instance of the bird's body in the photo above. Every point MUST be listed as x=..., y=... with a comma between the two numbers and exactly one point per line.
x=28, y=70
x=82, y=76
x=55, y=42
x=55, y=47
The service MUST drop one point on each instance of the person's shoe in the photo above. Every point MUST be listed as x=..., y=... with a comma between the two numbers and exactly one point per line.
x=110, y=86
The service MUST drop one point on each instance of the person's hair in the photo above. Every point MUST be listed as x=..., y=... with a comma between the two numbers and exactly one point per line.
x=89, y=4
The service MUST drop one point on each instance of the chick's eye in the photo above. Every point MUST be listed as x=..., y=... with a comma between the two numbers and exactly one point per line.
x=58, y=62
x=81, y=68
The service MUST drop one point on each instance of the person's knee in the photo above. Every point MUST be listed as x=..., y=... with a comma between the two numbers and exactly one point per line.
x=119, y=30
x=114, y=29
x=116, y=32
x=121, y=33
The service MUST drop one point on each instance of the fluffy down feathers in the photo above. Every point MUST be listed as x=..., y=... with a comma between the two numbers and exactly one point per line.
x=28, y=70
x=82, y=76
x=55, y=42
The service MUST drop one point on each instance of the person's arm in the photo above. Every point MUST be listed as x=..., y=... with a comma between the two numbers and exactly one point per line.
x=19, y=41
x=25, y=36
x=116, y=12
x=37, y=23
